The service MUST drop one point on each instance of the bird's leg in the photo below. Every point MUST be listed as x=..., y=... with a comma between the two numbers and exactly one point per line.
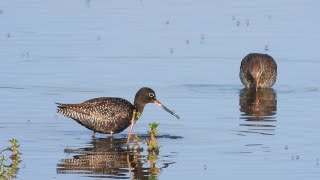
x=94, y=134
x=131, y=127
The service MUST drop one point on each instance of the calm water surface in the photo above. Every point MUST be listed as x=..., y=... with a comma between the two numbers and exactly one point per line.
x=189, y=53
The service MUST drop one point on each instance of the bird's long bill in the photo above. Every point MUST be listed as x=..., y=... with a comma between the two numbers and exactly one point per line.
x=165, y=108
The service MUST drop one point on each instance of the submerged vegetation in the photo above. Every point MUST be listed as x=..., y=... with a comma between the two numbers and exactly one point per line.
x=154, y=171
x=9, y=171
x=152, y=142
x=136, y=144
x=153, y=151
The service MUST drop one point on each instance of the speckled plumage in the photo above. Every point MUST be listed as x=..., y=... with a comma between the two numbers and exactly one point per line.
x=106, y=115
x=258, y=71
x=110, y=115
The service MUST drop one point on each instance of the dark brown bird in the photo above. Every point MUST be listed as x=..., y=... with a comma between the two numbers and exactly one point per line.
x=109, y=115
x=258, y=71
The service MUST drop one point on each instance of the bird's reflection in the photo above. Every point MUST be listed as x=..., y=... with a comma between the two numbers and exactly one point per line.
x=109, y=157
x=258, y=109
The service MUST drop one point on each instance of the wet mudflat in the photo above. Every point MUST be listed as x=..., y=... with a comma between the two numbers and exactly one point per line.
x=189, y=53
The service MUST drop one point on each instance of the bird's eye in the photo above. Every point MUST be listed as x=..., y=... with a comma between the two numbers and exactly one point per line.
x=151, y=95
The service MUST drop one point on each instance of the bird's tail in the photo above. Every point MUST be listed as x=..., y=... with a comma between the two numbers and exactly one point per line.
x=70, y=110
x=59, y=104
x=62, y=108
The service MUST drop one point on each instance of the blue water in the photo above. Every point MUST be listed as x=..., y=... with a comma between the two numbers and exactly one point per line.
x=189, y=52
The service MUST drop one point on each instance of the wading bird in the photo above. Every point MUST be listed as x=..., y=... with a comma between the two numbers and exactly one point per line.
x=110, y=115
x=258, y=71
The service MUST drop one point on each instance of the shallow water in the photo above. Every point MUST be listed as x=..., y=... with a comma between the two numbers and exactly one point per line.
x=189, y=53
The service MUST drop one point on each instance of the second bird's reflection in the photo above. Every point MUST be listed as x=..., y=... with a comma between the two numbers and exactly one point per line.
x=109, y=158
x=258, y=109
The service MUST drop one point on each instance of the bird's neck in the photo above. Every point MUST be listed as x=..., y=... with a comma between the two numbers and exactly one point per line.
x=139, y=109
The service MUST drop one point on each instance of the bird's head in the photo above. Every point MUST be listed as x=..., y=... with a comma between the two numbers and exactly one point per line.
x=146, y=95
